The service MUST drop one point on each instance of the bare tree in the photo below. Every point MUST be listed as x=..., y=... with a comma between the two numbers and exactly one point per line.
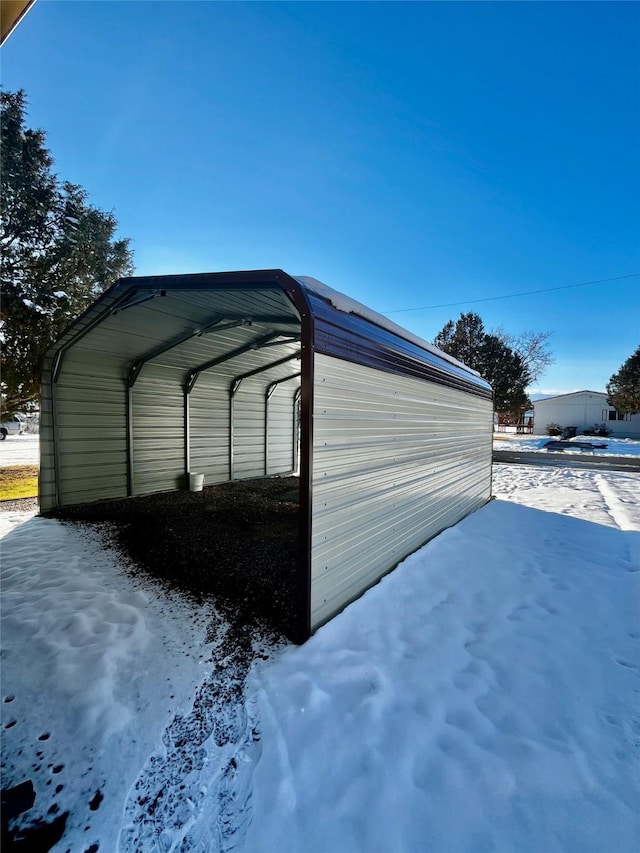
x=533, y=349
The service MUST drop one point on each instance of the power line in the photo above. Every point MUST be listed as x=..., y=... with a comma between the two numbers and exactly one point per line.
x=513, y=295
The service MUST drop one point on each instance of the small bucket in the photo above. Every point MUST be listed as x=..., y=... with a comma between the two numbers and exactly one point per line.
x=196, y=481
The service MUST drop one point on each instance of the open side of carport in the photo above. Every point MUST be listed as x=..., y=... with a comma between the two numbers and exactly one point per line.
x=232, y=375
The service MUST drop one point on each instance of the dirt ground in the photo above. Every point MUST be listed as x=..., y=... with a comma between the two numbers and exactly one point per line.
x=236, y=541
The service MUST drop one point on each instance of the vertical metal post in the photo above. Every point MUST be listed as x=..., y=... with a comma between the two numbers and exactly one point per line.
x=305, y=515
x=187, y=435
x=303, y=630
x=231, y=395
x=296, y=431
x=129, y=423
x=266, y=432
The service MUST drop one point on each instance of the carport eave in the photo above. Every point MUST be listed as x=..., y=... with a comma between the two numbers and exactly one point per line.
x=242, y=280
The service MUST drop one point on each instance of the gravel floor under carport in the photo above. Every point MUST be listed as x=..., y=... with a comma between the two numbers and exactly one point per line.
x=236, y=541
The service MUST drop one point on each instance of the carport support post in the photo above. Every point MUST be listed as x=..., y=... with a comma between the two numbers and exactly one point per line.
x=187, y=436
x=129, y=419
x=296, y=430
x=232, y=390
x=267, y=397
x=307, y=337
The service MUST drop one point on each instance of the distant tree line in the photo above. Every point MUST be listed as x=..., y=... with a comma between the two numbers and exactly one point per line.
x=58, y=254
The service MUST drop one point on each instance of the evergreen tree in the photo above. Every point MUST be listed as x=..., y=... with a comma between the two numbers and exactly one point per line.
x=58, y=254
x=504, y=369
x=507, y=374
x=463, y=339
x=624, y=386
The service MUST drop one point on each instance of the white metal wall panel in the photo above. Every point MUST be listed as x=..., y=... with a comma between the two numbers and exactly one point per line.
x=90, y=418
x=158, y=431
x=395, y=461
x=280, y=429
x=248, y=430
x=209, y=418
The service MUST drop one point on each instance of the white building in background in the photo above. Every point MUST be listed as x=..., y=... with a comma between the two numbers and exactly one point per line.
x=584, y=410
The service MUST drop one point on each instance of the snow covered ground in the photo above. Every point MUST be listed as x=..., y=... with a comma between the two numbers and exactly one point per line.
x=20, y=450
x=615, y=446
x=482, y=697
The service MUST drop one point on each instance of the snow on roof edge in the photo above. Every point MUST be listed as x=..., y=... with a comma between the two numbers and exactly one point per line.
x=346, y=304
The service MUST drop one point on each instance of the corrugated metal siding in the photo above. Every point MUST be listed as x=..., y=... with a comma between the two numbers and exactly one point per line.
x=280, y=429
x=158, y=431
x=90, y=417
x=395, y=461
x=249, y=414
x=248, y=430
x=209, y=416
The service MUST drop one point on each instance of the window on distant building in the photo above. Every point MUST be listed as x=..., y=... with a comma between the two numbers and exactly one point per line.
x=612, y=415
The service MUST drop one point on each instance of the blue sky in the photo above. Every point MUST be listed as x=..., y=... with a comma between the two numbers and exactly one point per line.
x=408, y=154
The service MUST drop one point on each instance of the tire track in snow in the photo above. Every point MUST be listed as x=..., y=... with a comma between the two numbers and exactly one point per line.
x=196, y=795
x=615, y=507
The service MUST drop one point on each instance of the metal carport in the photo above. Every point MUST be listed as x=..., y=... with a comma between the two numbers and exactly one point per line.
x=167, y=375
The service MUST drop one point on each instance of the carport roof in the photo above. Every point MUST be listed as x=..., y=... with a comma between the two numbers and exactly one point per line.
x=183, y=321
